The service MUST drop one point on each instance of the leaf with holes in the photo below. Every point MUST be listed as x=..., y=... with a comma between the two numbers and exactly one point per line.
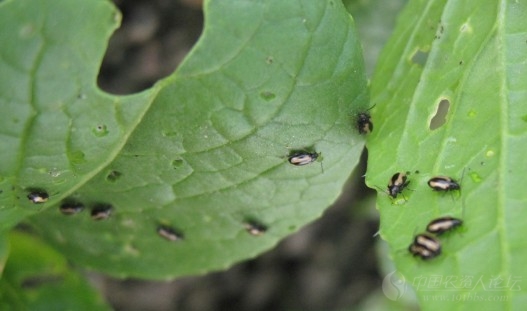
x=205, y=179
x=449, y=89
x=57, y=130
x=38, y=278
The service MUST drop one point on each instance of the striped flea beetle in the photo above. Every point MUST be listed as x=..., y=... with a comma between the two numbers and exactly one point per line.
x=364, y=124
x=397, y=184
x=443, y=183
x=101, y=211
x=169, y=233
x=38, y=196
x=443, y=224
x=302, y=157
x=425, y=246
x=255, y=228
x=70, y=207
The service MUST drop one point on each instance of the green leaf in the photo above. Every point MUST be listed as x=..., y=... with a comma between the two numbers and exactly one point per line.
x=211, y=155
x=469, y=59
x=4, y=251
x=36, y=277
x=57, y=129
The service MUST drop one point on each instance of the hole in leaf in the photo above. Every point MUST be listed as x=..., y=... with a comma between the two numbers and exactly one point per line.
x=169, y=133
x=465, y=27
x=54, y=172
x=475, y=177
x=267, y=95
x=113, y=176
x=152, y=40
x=440, y=117
x=77, y=157
x=100, y=130
x=177, y=163
x=420, y=57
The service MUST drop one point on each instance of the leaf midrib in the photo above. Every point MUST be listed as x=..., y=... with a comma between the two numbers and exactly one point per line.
x=505, y=249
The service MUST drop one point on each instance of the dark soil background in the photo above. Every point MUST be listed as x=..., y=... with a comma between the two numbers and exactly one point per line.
x=328, y=265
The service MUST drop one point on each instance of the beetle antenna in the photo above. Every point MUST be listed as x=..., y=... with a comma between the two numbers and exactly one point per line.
x=380, y=189
x=461, y=180
x=371, y=107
